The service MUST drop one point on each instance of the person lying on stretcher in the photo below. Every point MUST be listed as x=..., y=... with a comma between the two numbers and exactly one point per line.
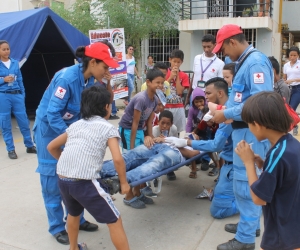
x=142, y=162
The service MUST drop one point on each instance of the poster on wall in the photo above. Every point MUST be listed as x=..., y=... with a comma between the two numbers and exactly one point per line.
x=119, y=75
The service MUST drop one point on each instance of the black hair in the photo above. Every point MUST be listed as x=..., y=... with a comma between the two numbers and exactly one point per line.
x=177, y=53
x=167, y=114
x=294, y=48
x=111, y=47
x=275, y=64
x=149, y=56
x=209, y=38
x=153, y=73
x=161, y=65
x=3, y=41
x=230, y=67
x=219, y=83
x=80, y=53
x=128, y=46
x=94, y=101
x=241, y=38
x=198, y=98
x=267, y=109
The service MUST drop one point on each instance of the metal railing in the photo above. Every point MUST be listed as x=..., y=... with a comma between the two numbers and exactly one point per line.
x=203, y=9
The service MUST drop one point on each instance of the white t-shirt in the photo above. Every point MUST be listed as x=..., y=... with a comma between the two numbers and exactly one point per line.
x=292, y=72
x=214, y=70
x=172, y=132
x=130, y=64
x=7, y=63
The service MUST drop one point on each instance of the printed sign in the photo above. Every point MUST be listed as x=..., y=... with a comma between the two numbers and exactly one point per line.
x=119, y=75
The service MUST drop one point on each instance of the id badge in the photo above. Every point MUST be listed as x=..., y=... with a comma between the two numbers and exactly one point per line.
x=201, y=84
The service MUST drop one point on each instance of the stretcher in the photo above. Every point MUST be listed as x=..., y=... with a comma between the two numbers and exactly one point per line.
x=168, y=170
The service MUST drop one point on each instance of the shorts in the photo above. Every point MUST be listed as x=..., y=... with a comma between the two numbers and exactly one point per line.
x=125, y=137
x=80, y=194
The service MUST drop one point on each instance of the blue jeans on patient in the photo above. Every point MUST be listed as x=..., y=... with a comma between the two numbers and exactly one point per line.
x=142, y=162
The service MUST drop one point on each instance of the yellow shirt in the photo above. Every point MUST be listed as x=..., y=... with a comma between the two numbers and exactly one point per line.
x=166, y=88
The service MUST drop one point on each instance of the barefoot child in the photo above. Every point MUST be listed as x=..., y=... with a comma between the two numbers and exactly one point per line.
x=80, y=162
x=278, y=188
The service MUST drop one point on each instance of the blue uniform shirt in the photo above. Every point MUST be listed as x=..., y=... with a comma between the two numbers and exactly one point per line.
x=254, y=76
x=13, y=69
x=60, y=104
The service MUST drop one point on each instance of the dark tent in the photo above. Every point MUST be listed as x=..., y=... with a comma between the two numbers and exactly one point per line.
x=43, y=43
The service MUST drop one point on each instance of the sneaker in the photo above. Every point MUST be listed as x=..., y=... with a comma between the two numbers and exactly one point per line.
x=113, y=117
x=171, y=176
x=295, y=130
x=204, y=165
x=147, y=191
x=145, y=199
x=31, y=150
x=12, y=155
x=113, y=185
x=236, y=245
x=232, y=228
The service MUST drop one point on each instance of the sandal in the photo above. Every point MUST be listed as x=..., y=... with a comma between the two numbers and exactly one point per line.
x=213, y=172
x=82, y=246
x=135, y=202
x=193, y=175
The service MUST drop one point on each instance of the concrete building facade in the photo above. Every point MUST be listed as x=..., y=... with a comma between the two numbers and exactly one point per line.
x=265, y=33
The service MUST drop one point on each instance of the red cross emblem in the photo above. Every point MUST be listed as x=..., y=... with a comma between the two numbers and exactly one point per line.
x=258, y=75
x=213, y=70
x=238, y=95
x=60, y=90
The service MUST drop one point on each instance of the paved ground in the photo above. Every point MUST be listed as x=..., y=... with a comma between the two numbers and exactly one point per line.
x=176, y=221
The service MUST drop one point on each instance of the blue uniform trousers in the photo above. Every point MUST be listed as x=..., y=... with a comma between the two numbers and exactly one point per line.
x=14, y=103
x=224, y=204
x=249, y=212
x=43, y=134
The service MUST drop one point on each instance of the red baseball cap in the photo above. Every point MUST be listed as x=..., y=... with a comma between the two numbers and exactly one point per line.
x=225, y=32
x=102, y=52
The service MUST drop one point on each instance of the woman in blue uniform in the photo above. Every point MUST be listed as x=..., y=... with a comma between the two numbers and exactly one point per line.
x=59, y=108
x=12, y=100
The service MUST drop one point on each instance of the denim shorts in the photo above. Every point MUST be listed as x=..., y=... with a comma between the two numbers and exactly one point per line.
x=78, y=194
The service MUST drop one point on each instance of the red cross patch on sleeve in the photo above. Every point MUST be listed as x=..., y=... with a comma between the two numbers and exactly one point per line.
x=67, y=116
x=258, y=78
x=60, y=92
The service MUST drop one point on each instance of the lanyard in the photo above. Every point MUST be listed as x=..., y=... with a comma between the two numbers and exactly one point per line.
x=203, y=71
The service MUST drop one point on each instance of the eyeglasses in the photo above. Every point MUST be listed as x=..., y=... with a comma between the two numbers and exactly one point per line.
x=131, y=49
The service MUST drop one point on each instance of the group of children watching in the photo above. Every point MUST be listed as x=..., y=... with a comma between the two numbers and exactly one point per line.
x=145, y=123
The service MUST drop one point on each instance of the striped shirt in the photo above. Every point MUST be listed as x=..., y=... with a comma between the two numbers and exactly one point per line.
x=85, y=148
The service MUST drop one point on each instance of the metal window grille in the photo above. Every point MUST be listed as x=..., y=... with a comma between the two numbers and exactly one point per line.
x=160, y=47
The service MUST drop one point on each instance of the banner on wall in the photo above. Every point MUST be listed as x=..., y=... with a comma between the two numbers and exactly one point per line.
x=119, y=75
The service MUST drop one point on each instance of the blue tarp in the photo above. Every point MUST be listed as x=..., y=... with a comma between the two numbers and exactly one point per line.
x=43, y=43
x=22, y=29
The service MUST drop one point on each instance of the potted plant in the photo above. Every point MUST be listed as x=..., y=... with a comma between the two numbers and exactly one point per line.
x=246, y=12
x=255, y=10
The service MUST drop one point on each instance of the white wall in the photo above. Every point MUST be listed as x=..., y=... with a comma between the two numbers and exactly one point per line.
x=10, y=6
x=191, y=45
x=290, y=15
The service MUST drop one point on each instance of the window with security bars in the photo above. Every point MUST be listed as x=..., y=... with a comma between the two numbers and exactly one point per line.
x=249, y=33
x=161, y=47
